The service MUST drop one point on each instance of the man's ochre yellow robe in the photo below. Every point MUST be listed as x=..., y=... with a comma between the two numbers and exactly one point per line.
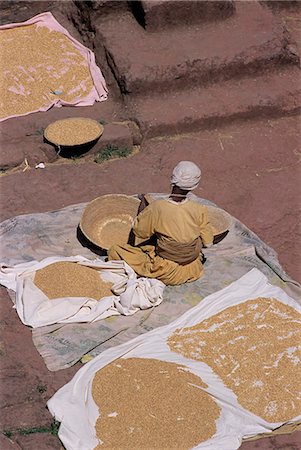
x=182, y=222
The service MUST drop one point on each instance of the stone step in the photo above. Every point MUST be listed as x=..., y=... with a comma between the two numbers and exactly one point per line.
x=270, y=95
x=250, y=42
x=278, y=5
x=103, y=7
x=155, y=15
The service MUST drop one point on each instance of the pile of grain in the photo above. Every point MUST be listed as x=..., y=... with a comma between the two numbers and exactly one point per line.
x=35, y=62
x=254, y=347
x=68, y=279
x=152, y=404
x=73, y=131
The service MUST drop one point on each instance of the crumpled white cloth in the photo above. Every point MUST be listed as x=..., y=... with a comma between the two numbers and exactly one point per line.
x=35, y=309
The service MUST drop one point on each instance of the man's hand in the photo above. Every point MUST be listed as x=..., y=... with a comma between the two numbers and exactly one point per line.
x=143, y=203
x=131, y=239
x=219, y=237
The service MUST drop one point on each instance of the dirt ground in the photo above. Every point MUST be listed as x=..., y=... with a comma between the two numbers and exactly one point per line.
x=261, y=190
x=250, y=167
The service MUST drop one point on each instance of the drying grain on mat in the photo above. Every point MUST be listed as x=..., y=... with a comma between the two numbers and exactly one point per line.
x=68, y=279
x=254, y=347
x=36, y=61
x=75, y=131
x=152, y=404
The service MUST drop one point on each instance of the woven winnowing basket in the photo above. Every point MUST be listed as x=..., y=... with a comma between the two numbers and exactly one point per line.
x=108, y=219
x=73, y=131
x=219, y=219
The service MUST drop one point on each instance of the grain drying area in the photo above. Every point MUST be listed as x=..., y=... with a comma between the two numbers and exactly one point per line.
x=154, y=404
x=228, y=368
x=255, y=349
x=93, y=356
x=41, y=66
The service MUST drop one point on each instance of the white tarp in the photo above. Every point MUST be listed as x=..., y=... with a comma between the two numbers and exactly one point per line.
x=35, y=309
x=75, y=408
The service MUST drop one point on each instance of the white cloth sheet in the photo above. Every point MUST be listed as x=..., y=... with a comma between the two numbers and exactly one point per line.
x=74, y=406
x=35, y=309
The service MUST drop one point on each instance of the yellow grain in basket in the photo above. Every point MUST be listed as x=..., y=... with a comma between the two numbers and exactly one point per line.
x=73, y=131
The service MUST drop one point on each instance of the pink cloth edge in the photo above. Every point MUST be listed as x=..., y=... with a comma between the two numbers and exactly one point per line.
x=99, y=91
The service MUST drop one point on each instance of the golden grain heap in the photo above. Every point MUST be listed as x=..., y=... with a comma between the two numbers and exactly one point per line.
x=73, y=131
x=35, y=62
x=68, y=279
x=254, y=347
x=152, y=404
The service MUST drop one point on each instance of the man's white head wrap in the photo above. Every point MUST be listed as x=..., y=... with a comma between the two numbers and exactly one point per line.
x=186, y=175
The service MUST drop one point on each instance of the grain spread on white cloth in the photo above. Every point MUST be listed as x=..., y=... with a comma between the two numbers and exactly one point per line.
x=36, y=309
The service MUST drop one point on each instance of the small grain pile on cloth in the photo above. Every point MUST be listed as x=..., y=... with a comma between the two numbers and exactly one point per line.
x=228, y=369
x=44, y=66
x=36, y=309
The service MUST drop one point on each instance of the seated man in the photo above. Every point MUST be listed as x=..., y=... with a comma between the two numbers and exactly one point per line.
x=181, y=228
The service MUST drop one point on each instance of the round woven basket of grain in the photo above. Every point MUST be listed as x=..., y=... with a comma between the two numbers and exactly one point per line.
x=108, y=219
x=219, y=219
x=74, y=133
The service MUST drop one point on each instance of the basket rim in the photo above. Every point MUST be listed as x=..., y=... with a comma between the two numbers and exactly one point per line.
x=87, y=119
x=228, y=219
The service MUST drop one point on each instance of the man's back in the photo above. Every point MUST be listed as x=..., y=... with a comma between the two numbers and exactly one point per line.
x=179, y=221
